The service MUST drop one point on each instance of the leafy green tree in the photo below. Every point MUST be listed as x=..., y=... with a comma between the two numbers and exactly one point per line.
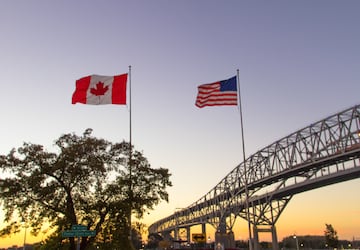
x=331, y=237
x=87, y=181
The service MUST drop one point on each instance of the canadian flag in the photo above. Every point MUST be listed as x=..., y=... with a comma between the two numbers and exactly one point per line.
x=97, y=90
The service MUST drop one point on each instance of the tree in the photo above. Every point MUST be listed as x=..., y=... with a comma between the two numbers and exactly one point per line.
x=88, y=181
x=331, y=237
x=153, y=240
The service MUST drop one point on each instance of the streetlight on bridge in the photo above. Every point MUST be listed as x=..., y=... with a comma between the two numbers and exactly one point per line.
x=296, y=242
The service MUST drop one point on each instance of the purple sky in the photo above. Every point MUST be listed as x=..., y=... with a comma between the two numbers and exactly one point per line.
x=299, y=62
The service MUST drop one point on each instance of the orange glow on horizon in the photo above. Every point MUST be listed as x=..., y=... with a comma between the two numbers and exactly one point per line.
x=18, y=239
x=305, y=214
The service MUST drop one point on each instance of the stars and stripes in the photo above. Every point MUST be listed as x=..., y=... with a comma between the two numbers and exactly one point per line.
x=221, y=93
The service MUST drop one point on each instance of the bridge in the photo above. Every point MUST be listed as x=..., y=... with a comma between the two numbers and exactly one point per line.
x=258, y=189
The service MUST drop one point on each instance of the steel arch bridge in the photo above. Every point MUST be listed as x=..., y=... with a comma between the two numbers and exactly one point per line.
x=258, y=190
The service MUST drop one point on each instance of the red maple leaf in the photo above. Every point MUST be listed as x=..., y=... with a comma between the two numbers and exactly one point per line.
x=99, y=90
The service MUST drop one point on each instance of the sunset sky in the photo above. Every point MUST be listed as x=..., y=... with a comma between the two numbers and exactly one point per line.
x=299, y=62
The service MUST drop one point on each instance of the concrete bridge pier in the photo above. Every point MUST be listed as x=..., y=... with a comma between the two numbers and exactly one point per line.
x=226, y=239
x=188, y=237
x=176, y=233
x=272, y=230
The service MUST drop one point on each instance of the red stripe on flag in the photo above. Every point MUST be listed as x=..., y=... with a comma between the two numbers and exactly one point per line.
x=210, y=95
x=82, y=85
x=99, y=89
x=119, y=89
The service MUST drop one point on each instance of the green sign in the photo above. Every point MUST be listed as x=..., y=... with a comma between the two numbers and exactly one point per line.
x=68, y=233
x=78, y=231
x=78, y=227
x=88, y=233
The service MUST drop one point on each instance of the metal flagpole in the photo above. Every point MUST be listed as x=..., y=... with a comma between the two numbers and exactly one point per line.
x=130, y=157
x=245, y=170
x=130, y=135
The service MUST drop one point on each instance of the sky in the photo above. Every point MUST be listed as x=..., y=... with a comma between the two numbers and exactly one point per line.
x=299, y=62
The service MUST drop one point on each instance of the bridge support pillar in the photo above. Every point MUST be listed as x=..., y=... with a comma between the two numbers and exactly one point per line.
x=272, y=230
x=275, y=243
x=255, y=242
x=188, y=237
x=225, y=239
x=176, y=233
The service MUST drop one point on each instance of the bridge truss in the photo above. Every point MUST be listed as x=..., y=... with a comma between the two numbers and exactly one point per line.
x=258, y=190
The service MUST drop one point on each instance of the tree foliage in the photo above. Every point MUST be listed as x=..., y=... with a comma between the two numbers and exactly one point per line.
x=88, y=181
x=331, y=237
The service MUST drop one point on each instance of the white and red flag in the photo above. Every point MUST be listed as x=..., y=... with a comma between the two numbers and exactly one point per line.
x=97, y=90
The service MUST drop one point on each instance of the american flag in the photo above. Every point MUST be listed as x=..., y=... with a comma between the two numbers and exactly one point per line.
x=221, y=93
